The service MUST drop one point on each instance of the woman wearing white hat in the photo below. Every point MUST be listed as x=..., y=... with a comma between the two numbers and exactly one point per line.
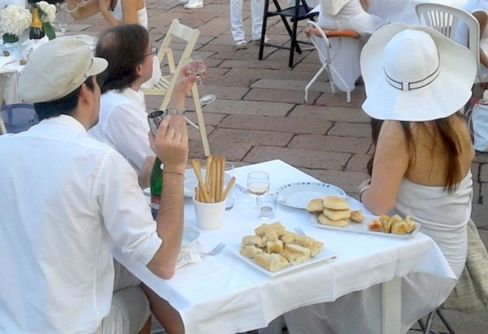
x=416, y=81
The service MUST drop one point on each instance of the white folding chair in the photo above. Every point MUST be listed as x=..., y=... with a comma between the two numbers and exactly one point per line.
x=166, y=84
x=447, y=20
x=339, y=57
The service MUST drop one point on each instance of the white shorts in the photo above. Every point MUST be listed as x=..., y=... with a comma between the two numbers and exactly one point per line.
x=130, y=307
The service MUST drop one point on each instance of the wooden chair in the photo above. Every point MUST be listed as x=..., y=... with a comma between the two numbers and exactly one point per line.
x=166, y=84
x=447, y=21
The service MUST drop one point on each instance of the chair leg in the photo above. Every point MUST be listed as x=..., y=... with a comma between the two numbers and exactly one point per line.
x=263, y=29
x=315, y=77
x=200, y=119
x=444, y=321
x=430, y=320
x=293, y=39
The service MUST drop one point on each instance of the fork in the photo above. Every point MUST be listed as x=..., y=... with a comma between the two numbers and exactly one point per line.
x=217, y=250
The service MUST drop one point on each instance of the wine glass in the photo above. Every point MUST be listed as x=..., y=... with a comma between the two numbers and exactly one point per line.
x=199, y=69
x=257, y=183
x=62, y=18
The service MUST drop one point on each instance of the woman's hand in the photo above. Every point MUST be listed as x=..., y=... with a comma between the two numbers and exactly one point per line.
x=184, y=83
x=104, y=5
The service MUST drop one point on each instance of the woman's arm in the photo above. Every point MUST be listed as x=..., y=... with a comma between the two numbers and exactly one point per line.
x=83, y=10
x=389, y=167
x=129, y=10
x=365, y=4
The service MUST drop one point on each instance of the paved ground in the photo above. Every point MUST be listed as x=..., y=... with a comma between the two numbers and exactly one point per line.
x=260, y=113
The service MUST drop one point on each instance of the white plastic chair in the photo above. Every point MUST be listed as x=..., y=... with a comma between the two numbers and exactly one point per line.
x=339, y=57
x=447, y=20
x=178, y=32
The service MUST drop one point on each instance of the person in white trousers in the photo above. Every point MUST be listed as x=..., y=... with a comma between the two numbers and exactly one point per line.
x=236, y=21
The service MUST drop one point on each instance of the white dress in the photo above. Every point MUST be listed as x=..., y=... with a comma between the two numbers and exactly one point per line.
x=351, y=16
x=444, y=218
x=141, y=14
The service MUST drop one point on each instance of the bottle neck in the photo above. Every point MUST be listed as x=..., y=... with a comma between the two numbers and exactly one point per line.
x=36, y=18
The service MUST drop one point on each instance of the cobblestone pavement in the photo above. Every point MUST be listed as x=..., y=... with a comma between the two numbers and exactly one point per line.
x=260, y=113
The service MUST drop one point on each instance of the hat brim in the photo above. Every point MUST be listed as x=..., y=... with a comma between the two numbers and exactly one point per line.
x=444, y=96
x=97, y=66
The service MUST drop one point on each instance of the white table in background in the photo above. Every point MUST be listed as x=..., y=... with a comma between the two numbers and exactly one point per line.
x=223, y=294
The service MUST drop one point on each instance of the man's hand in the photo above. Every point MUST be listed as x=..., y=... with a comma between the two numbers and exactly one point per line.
x=171, y=143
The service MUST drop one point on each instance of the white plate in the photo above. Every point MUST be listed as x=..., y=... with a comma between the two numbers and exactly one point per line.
x=363, y=228
x=324, y=255
x=298, y=195
x=190, y=234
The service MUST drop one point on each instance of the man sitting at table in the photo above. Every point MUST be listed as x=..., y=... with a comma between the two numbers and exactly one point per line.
x=68, y=200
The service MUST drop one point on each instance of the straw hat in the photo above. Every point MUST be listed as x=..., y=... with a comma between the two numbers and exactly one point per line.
x=56, y=69
x=414, y=73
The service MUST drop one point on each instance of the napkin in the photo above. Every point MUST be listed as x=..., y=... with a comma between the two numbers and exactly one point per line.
x=188, y=254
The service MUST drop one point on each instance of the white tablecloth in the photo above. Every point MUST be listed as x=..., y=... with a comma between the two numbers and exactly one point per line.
x=223, y=294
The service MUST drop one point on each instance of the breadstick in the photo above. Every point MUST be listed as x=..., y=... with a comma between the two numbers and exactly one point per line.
x=196, y=168
x=197, y=195
x=222, y=178
x=229, y=187
x=207, y=174
x=218, y=187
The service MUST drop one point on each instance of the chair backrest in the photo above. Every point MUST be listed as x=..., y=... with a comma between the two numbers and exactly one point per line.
x=18, y=117
x=451, y=22
x=176, y=32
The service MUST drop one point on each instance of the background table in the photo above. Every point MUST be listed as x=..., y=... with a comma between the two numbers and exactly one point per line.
x=223, y=294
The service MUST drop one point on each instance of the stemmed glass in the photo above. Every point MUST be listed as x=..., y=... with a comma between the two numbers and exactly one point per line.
x=199, y=69
x=257, y=183
x=62, y=17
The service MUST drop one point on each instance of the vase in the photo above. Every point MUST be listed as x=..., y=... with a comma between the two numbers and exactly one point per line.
x=13, y=49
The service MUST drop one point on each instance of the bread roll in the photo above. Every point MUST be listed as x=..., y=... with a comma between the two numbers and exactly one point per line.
x=274, y=246
x=271, y=262
x=337, y=214
x=278, y=228
x=315, y=248
x=253, y=240
x=303, y=240
x=399, y=227
x=287, y=237
x=250, y=251
x=411, y=224
x=387, y=224
x=298, y=249
x=357, y=216
x=315, y=205
x=335, y=203
x=326, y=221
x=294, y=257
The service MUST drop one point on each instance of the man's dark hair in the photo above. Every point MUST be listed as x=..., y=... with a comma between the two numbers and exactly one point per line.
x=65, y=105
x=124, y=47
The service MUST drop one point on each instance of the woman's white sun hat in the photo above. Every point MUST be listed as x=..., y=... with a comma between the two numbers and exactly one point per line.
x=414, y=73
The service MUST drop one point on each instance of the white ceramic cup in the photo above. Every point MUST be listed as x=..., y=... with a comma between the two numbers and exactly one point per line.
x=210, y=216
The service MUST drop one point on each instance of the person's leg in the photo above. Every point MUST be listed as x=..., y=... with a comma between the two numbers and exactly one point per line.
x=257, y=12
x=167, y=316
x=236, y=21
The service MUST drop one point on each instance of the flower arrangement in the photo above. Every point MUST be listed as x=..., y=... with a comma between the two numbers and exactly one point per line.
x=48, y=15
x=14, y=20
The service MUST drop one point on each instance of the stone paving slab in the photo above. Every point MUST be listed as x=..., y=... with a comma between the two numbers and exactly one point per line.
x=260, y=113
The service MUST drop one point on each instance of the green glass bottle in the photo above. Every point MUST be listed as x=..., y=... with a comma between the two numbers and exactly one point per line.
x=156, y=186
x=36, y=31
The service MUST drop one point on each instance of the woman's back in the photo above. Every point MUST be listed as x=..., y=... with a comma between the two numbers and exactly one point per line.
x=430, y=163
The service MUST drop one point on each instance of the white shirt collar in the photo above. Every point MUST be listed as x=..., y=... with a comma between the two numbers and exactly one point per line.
x=135, y=95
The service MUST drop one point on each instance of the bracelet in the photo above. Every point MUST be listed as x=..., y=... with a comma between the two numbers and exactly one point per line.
x=71, y=11
x=174, y=111
x=362, y=191
x=175, y=173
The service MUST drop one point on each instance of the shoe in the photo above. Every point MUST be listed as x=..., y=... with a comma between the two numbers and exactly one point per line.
x=241, y=45
x=194, y=4
x=258, y=41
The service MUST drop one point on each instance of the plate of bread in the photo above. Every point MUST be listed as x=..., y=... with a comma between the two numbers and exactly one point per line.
x=334, y=212
x=275, y=251
x=298, y=195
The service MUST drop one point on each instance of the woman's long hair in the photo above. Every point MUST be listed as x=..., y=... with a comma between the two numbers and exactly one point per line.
x=444, y=135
